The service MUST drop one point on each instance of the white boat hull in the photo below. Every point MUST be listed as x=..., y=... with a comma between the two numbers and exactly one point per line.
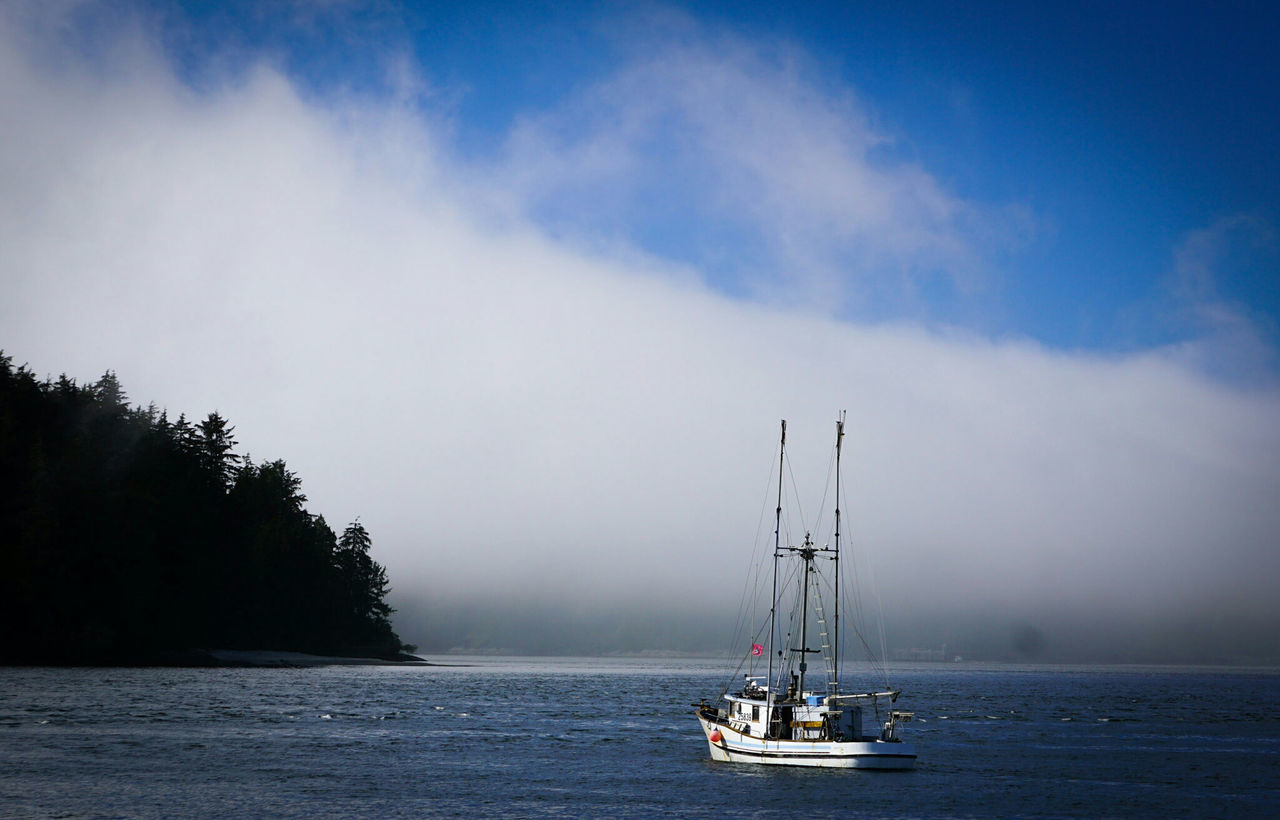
x=735, y=747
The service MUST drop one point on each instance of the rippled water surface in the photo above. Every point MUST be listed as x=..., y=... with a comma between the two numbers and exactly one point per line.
x=597, y=738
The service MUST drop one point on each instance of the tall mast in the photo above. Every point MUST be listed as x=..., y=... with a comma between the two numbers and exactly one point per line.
x=806, y=553
x=777, y=542
x=839, y=439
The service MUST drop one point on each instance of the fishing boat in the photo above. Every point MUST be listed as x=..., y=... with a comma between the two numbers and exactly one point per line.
x=779, y=714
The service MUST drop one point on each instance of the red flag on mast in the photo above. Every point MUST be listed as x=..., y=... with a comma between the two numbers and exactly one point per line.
x=757, y=649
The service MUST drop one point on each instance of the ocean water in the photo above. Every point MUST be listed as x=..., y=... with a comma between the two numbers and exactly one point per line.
x=616, y=738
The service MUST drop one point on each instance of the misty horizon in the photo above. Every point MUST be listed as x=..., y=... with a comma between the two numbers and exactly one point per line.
x=479, y=626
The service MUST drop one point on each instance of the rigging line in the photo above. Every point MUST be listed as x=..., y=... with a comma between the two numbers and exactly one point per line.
x=824, y=634
x=872, y=658
x=876, y=663
x=790, y=581
x=750, y=659
x=743, y=660
x=795, y=495
x=741, y=625
x=869, y=564
x=853, y=591
x=838, y=641
x=831, y=465
x=777, y=529
x=878, y=660
x=884, y=650
x=751, y=587
x=853, y=565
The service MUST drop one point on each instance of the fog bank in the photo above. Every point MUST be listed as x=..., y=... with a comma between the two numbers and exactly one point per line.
x=578, y=426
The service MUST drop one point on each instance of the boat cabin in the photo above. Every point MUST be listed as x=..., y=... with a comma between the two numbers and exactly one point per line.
x=801, y=718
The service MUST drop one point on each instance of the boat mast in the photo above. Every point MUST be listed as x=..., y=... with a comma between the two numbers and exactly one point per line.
x=836, y=650
x=806, y=553
x=777, y=542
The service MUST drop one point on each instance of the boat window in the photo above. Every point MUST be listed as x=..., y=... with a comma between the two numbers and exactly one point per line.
x=755, y=712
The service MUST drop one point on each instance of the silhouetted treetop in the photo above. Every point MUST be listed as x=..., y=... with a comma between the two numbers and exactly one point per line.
x=127, y=535
x=214, y=445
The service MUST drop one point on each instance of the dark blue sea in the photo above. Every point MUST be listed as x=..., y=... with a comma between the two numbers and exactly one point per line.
x=616, y=738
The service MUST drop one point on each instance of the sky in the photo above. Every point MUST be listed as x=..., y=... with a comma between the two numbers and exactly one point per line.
x=528, y=288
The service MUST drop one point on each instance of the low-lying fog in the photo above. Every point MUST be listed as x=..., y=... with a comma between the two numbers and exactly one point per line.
x=566, y=447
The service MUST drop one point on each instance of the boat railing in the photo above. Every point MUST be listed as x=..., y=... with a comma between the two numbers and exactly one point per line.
x=891, y=694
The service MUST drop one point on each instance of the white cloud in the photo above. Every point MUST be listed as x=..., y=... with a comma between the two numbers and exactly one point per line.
x=750, y=139
x=1228, y=337
x=509, y=412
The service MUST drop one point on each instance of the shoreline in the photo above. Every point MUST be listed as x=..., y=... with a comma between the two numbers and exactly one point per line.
x=282, y=659
x=221, y=659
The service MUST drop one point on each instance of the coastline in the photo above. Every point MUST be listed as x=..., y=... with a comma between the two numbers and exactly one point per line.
x=278, y=659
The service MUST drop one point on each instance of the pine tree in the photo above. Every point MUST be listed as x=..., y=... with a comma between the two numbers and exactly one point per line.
x=125, y=536
x=109, y=393
x=214, y=444
x=365, y=587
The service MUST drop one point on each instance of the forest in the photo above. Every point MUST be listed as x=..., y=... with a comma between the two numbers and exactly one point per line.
x=130, y=537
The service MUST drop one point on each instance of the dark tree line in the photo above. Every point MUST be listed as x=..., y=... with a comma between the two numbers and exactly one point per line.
x=126, y=536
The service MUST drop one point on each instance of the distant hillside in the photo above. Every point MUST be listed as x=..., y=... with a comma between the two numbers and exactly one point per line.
x=126, y=536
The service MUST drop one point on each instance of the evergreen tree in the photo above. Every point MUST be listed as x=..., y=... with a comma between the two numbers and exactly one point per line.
x=365, y=585
x=108, y=392
x=125, y=535
x=214, y=444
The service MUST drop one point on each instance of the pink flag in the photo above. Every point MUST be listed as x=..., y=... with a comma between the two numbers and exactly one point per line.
x=757, y=649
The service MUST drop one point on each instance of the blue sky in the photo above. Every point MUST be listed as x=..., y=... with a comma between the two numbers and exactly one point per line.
x=1114, y=133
